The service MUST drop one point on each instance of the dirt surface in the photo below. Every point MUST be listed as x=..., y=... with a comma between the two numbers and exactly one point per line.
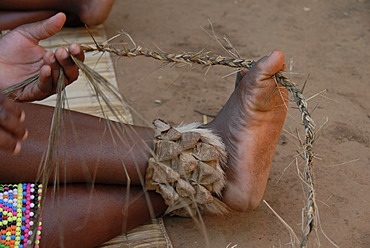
x=329, y=40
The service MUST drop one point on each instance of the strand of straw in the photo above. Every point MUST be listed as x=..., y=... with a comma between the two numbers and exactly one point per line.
x=310, y=208
x=196, y=58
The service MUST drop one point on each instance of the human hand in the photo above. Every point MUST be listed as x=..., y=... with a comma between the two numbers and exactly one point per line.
x=12, y=129
x=21, y=57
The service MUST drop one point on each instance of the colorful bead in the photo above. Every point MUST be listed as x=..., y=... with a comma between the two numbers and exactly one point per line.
x=19, y=206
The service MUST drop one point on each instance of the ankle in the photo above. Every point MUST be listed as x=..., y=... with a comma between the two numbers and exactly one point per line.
x=239, y=200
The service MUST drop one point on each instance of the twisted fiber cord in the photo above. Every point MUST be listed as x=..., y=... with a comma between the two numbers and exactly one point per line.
x=197, y=58
x=207, y=60
x=310, y=208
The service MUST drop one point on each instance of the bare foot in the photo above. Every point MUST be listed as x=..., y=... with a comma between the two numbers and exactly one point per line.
x=250, y=124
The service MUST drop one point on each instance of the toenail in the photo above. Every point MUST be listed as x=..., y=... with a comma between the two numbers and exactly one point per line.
x=244, y=71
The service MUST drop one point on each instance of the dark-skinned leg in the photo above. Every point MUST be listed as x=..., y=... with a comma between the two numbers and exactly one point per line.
x=80, y=216
x=87, y=152
x=86, y=214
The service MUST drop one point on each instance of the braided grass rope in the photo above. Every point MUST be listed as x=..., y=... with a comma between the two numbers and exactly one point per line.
x=310, y=209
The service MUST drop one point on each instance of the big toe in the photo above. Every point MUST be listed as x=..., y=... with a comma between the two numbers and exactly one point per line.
x=271, y=64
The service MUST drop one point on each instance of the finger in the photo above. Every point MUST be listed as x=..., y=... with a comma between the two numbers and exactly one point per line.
x=11, y=107
x=43, y=29
x=69, y=67
x=77, y=52
x=12, y=124
x=50, y=60
x=12, y=117
x=9, y=143
x=45, y=84
x=23, y=117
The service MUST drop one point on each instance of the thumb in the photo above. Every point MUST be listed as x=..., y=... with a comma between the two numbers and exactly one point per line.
x=43, y=29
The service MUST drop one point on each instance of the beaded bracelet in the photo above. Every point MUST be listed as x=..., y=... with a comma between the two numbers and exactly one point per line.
x=19, y=207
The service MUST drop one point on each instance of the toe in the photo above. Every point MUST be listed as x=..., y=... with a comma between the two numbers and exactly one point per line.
x=272, y=63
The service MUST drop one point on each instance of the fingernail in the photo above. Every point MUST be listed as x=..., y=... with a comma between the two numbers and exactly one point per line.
x=17, y=149
x=23, y=116
x=25, y=136
x=73, y=47
x=65, y=54
x=52, y=59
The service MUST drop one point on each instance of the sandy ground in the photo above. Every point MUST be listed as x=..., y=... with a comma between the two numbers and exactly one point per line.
x=328, y=40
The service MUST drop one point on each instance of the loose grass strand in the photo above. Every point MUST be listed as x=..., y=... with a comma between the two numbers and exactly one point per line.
x=21, y=85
